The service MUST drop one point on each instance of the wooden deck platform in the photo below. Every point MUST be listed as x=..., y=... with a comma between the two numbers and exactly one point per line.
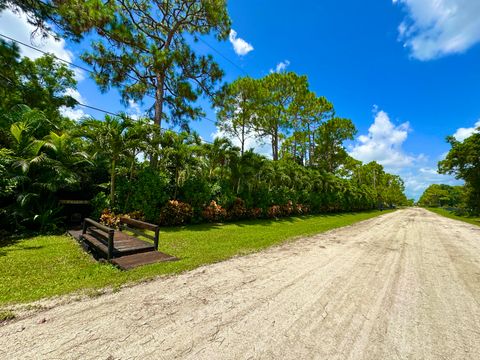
x=128, y=251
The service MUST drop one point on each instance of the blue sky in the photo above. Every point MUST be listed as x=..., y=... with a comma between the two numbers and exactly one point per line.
x=405, y=71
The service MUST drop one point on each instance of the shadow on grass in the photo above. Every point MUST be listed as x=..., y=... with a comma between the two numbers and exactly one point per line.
x=10, y=242
x=256, y=222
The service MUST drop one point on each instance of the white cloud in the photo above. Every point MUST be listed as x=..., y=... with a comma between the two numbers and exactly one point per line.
x=134, y=110
x=74, y=113
x=240, y=46
x=17, y=27
x=281, y=66
x=436, y=28
x=463, y=133
x=417, y=180
x=383, y=143
x=74, y=93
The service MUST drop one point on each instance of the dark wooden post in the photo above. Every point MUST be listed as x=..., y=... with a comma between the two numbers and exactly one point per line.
x=111, y=233
x=157, y=235
x=84, y=231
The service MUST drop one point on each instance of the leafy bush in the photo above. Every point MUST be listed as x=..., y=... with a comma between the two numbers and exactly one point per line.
x=287, y=209
x=176, y=213
x=135, y=215
x=255, y=213
x=198, y=192
x=214, y=212
x=146, y=192
x=100, y=203
x=238, y=210
x=274, y=211
x=108, y=218
x=301, y=209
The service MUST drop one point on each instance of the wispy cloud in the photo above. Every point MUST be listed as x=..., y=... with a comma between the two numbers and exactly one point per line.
x=281, y=66
x=463, y=133
x=240, y=46
x=436, y=28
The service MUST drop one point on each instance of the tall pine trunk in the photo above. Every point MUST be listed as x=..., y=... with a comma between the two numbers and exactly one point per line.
x=158, y=115
x=112, y=184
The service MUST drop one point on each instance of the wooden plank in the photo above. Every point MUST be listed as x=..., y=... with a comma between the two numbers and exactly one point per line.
x=125, y=242
x=97, y=225
x=99, y=234
x=138, y=232
x=138, y=224
x=135, y=260
x=95, y=243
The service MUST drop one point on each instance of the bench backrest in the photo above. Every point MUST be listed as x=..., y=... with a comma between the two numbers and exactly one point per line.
x=89, y=223
x=133, y=226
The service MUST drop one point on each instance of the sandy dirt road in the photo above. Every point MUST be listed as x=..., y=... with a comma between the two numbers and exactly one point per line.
x=405, y=285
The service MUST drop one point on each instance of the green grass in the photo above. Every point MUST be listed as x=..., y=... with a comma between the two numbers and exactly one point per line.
x=6, y=315
x=451, y=215
x=45, y=266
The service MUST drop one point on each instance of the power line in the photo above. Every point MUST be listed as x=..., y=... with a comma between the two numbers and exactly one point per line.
x=223, y=56
x=119, y=115
x=82, y=68
x=47, y=53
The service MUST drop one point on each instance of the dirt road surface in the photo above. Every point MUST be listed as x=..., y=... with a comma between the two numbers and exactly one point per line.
x=405, y=285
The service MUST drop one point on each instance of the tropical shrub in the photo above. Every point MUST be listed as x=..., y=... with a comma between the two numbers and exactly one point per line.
x=108, y=218
x=214, y=212
x=100, y=204
x=255, y=213
x=274, y=211
x=175, y=213
x=300, y=209
x=197, y=191
x=145, y=192
x=287, y=209
x=238, y=210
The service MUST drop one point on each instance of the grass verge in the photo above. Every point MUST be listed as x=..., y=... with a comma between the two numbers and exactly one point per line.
x=6, y=315
x=44, y=266
x=451, y=215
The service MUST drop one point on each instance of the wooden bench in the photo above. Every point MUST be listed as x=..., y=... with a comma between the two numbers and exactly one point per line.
x=99, y=235
x=121, y=248
x=136, y=225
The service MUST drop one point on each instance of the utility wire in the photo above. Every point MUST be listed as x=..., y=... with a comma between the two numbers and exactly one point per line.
x=46, y=53
x=223, y=56
x=119, y=115
x=93, y=72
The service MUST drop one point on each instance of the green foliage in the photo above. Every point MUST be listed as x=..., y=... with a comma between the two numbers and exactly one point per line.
x=176, y=213
x=214, y=212
x=45, y=156
x=146, y=191
x=463, y=161
x=443, y=196
x=142, y=50
x=43, y=84
x=238, y=103
x=329, y=153
x=99, y=203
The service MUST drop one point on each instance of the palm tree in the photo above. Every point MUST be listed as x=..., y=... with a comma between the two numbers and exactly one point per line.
x=218, y=156
x=180, y=154
x=111, y=138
